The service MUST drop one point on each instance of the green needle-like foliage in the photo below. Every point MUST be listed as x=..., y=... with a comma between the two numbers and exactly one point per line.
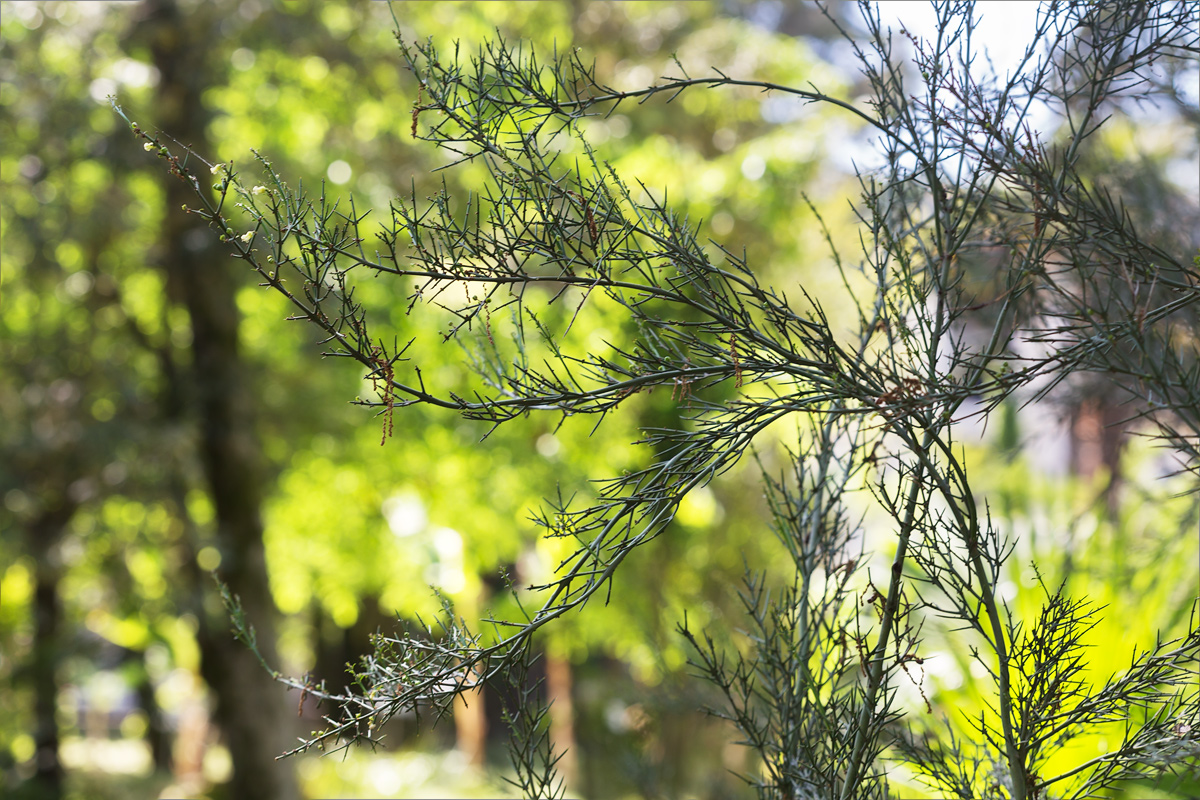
x=546, y=240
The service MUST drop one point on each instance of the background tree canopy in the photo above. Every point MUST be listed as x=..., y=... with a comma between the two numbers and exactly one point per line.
x=164, y=419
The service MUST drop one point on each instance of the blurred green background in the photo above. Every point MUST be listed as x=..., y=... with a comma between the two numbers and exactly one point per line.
x=117, y=672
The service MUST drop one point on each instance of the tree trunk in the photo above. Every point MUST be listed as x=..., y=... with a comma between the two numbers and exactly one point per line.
x=251, y=709
x=156, y=727
x=1097, y=441
x=559, y=687
x=470, y=726
x=470, y=710
x=44, y=534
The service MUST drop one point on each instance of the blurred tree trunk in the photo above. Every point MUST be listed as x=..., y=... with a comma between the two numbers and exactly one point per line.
x=156, y=735
x=559, y=689
x=251, y=708
x=470, y=726
x=1098, y=434
x=470, y=708
x=44, y=534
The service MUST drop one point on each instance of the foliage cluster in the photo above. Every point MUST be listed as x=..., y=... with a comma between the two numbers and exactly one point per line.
x=105, y=504
x=1002, y=266
x=1077, y=288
